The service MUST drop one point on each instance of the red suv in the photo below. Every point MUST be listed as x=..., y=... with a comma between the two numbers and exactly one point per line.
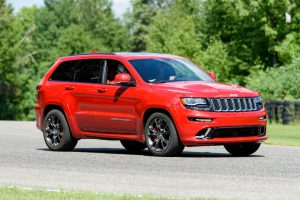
x=146, y=100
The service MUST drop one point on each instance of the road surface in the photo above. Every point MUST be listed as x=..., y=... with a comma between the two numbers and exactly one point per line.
x=104, y=166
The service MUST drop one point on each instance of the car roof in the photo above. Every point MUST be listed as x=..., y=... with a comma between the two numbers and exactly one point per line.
x=128, y=55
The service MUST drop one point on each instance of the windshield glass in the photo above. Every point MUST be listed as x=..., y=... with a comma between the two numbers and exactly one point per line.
x=161, y=70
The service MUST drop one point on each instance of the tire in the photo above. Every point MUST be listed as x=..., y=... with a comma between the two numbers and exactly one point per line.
x=133, y=146
x=242, y=149
x=56, y=132
x=161, y=136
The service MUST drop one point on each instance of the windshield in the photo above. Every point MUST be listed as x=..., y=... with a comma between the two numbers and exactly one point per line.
x=161, y=70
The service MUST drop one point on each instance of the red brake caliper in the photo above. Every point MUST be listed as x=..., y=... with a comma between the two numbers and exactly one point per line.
x=154, y=137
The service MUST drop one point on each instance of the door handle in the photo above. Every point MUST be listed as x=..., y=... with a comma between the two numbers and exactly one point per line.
x=69, y=88
x=102, y=90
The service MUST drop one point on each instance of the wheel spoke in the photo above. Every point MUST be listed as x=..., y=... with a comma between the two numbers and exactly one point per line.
x=162, y=143
x=153, y=130
x=55, y=141
x=152, y=142
x=48, y=130
x=54, y=130
x=165, y=141
x=61, y=134
x=52, y=122
x=156, y=144
x=158, y=122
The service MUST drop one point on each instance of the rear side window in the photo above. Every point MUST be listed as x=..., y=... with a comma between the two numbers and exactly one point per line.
x=64, y=72
x=88, y=71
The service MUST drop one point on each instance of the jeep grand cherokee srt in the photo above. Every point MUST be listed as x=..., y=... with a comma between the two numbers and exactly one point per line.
x=146, y=100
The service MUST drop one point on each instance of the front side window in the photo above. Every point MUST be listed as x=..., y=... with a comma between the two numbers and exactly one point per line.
x=64, y=72
x=161, y=70
x=88, y=71
x=114, y=67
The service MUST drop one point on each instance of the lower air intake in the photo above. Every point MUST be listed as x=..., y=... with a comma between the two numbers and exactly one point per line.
x=227, y=132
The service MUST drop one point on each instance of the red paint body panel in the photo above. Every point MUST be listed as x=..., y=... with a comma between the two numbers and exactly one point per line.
x=114, y=112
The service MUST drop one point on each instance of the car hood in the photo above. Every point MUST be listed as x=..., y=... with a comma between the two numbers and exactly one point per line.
x=203, y=89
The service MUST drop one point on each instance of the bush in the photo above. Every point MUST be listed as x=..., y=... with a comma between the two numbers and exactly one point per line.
x=277, y=83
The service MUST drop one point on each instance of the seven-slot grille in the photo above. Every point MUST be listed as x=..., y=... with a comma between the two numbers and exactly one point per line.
x=232, y=104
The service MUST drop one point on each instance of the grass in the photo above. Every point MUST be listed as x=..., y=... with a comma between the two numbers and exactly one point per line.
x=37, y=194
x=288, y=135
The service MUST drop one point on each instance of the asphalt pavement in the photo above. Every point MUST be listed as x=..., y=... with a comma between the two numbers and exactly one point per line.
x=273, y=172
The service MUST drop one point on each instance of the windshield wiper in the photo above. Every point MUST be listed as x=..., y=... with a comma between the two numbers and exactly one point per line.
x=162, y=82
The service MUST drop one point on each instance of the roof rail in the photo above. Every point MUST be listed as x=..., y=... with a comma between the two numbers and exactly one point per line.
x=80, y=54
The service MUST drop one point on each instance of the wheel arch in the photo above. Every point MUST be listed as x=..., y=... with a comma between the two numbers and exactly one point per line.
x=50, y=107
x=152, y=110
x=53, y=106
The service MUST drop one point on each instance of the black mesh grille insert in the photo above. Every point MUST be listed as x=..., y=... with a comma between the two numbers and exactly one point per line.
x=226, y=132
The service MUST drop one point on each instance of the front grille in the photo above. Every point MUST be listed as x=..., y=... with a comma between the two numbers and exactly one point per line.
x=232, y=104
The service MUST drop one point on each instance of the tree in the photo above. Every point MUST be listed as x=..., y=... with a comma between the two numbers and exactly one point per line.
x=97, y=18
x=166, y=37
x=177, y=29
x=35, y=37
x=10, y=93
x=253, y=30
x=140, y=18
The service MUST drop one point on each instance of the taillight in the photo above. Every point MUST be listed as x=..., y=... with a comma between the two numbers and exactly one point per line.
x=39, y=87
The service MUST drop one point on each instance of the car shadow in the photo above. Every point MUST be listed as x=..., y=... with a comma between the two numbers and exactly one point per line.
x=186, y=154
x=210, y=154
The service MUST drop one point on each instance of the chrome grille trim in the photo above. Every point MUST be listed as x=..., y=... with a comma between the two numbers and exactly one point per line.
x=232, y=104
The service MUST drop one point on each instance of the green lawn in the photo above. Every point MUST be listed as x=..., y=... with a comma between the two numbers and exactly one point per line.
x=284, y=134
x=22, y=194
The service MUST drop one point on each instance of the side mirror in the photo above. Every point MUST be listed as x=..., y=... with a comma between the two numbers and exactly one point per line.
x=212, y=75
x=123, y=78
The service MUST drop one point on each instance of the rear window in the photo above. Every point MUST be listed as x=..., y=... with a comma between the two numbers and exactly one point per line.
x=88, y=71
x=64, y=72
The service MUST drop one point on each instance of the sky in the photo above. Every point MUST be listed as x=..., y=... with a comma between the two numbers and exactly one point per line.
x=119, y=6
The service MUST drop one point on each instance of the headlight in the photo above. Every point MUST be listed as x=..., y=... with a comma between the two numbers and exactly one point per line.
x=258, y=99
x=193, y=101
x=259, y=102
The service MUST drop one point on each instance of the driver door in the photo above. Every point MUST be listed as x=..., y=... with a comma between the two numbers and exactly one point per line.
x=116, y=104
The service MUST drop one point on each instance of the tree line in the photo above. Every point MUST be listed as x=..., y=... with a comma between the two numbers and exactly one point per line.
x=250, y=43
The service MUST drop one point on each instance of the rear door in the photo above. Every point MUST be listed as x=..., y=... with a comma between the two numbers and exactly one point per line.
x=115, y=108
x=85, y=93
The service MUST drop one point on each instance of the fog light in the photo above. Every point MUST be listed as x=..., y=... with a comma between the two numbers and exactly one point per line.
x=194, y=119
x=263, y=117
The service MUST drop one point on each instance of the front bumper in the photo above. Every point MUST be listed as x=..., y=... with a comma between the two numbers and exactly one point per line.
x=190, y=130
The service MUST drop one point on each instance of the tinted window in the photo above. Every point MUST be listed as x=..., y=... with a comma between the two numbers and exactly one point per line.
x=160, y=70
x=88, y=71
x=64, y=72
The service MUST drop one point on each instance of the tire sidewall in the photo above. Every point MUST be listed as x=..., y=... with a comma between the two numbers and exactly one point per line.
x=242, y=149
